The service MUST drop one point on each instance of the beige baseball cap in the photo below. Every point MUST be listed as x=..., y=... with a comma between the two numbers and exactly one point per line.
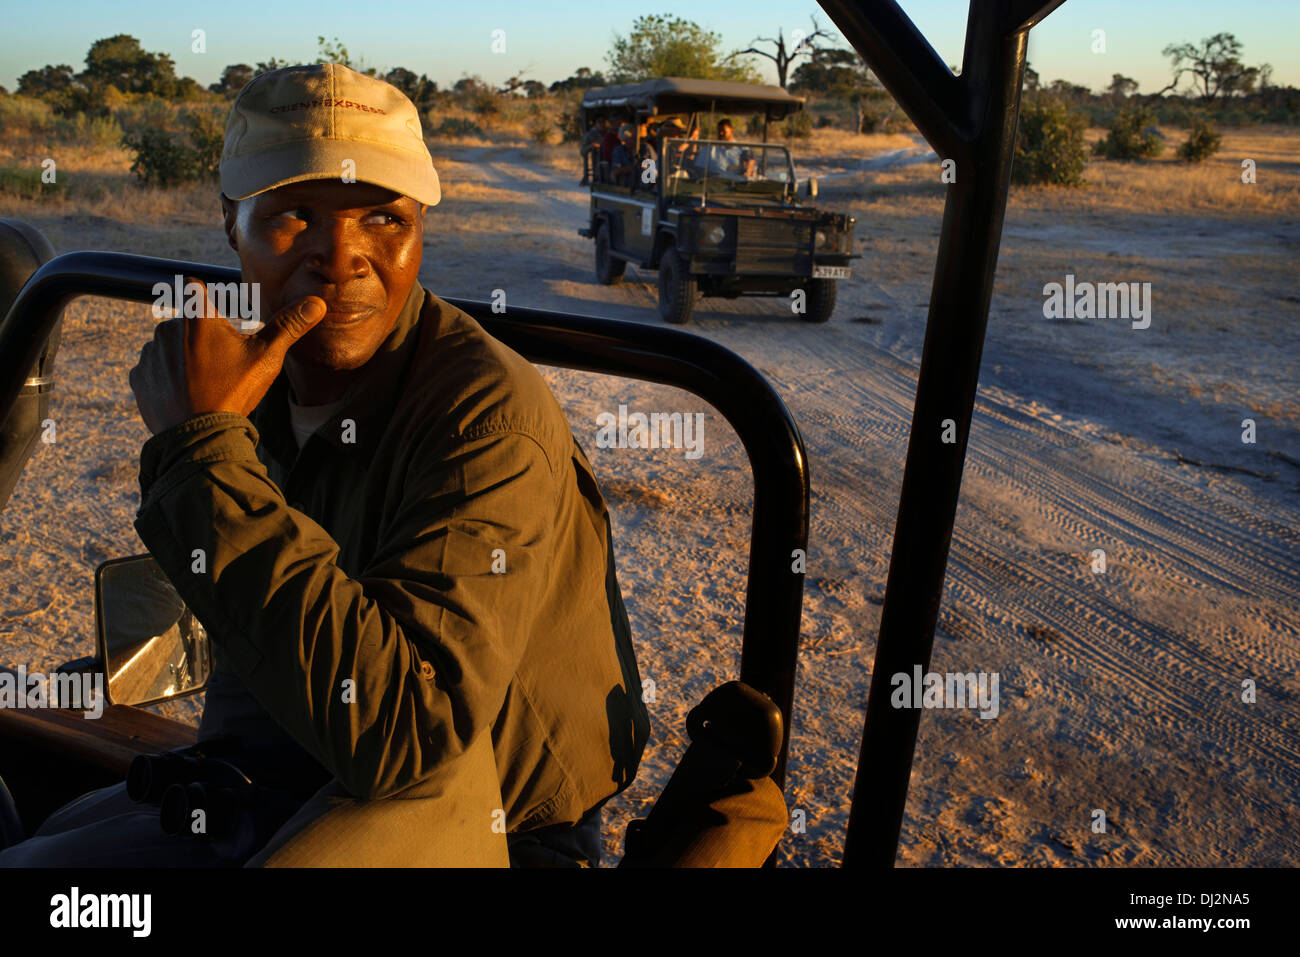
x=325, y=121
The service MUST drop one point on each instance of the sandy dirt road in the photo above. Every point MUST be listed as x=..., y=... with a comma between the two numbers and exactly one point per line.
x=1119, y=691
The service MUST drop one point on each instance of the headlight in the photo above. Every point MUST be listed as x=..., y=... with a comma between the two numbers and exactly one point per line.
x=716, y=235
x=819, y=240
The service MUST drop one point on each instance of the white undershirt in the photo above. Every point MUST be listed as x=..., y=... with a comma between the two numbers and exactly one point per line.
x=306, y=419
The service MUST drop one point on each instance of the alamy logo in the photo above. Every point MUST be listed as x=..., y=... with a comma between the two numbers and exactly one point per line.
x=232, y=300
x=953, y=690
x=666, y=430
x=75, y=909
x=1103, y=300
x=83, y=691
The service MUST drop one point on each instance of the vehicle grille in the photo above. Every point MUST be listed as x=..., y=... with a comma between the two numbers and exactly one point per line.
x=774, y=246
x=773, y=232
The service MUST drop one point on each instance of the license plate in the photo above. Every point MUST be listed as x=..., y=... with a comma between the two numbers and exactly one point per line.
x=830, y=272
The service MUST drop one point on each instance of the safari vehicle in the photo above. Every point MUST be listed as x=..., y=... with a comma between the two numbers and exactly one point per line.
x=715, y=217
x=740, y=732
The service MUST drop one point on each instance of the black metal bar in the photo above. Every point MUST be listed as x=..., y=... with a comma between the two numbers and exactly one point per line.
x=908, y=67
x=977, y=126
x=1024, y=14
x=774, y=594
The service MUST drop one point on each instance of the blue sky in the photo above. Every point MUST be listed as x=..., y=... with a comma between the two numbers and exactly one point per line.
x=548, y=40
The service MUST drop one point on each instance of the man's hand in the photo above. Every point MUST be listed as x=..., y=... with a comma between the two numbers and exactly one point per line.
x=201, y=364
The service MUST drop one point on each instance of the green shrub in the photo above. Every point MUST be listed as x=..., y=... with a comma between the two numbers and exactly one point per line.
x=161, y=159
x=25, y=116
x=1129, y=138
x=457, y=126
x=798, y=126
x=1201, y=143
x=540, y=128
x=208, y=135
x=25, y=183
x=570, y=125
x=485, y=102
x=101, y=131
x=165, y=159
x=1049, y=144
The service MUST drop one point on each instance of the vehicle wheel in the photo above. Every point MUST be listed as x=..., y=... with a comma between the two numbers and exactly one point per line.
x=609, y=268
x=676, y=289
x=821, y=300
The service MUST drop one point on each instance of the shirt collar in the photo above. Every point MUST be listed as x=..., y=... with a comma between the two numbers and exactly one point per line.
x=369, y=400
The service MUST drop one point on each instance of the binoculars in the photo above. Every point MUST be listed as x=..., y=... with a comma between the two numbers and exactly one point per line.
x=204, y=795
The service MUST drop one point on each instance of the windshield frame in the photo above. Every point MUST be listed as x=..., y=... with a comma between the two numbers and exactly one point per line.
x=764, y=150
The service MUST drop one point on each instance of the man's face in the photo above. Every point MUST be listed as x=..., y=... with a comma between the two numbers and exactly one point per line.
x=725, y=132
x=355, y=245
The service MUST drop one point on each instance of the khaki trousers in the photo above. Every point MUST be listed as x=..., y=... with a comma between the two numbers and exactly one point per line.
x=447, y=820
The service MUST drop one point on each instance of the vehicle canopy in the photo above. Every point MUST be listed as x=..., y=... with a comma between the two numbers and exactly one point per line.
x=676, y=95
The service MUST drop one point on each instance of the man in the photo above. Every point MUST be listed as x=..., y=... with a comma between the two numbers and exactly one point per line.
x=608, y=144
x=724, y=159
x=589, y=151
x=671, y=129
x=624, y=165
x=379, y=513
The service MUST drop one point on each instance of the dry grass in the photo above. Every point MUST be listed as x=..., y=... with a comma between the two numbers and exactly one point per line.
x=1167, y=184
x=829, y=142
x=561, y=157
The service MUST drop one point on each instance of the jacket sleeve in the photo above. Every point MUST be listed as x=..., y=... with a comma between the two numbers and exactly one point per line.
x=382, y=677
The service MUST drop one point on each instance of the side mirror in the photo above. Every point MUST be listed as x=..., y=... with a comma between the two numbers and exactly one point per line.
x=810, y=187
x=152, y=646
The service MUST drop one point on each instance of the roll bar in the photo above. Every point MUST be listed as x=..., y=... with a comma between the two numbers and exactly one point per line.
x=972, y=120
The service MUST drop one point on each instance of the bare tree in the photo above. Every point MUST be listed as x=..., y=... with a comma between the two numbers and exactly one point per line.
x=782, y=57
x=1215, y=64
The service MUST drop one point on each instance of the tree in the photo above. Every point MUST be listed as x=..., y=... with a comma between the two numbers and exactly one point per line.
x=233, y=79
x=842, y=75
x=123, y=63
x=269, y=66
x=336, y=52
x=46, y=82
x=1121, y=87
x=419, y=90
x=404, y=79
x=1069, y=92
x=1031, y=79
x=659, y=46
x=469, y=85
x=534, y=89
x=1215, y=66
x=806, y=46
x=582, y=79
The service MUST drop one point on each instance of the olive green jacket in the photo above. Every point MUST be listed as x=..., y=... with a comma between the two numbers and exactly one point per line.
x=435, y=564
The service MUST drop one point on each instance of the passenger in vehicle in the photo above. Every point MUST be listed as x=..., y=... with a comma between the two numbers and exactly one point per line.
x=589, y=151
x=623, y=163
x=671, y=130
x=607, y=146
x=724, y=160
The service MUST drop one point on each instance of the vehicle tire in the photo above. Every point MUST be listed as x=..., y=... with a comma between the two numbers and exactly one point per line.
x=821, y=300
x=677, y=290
x=609, y=268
